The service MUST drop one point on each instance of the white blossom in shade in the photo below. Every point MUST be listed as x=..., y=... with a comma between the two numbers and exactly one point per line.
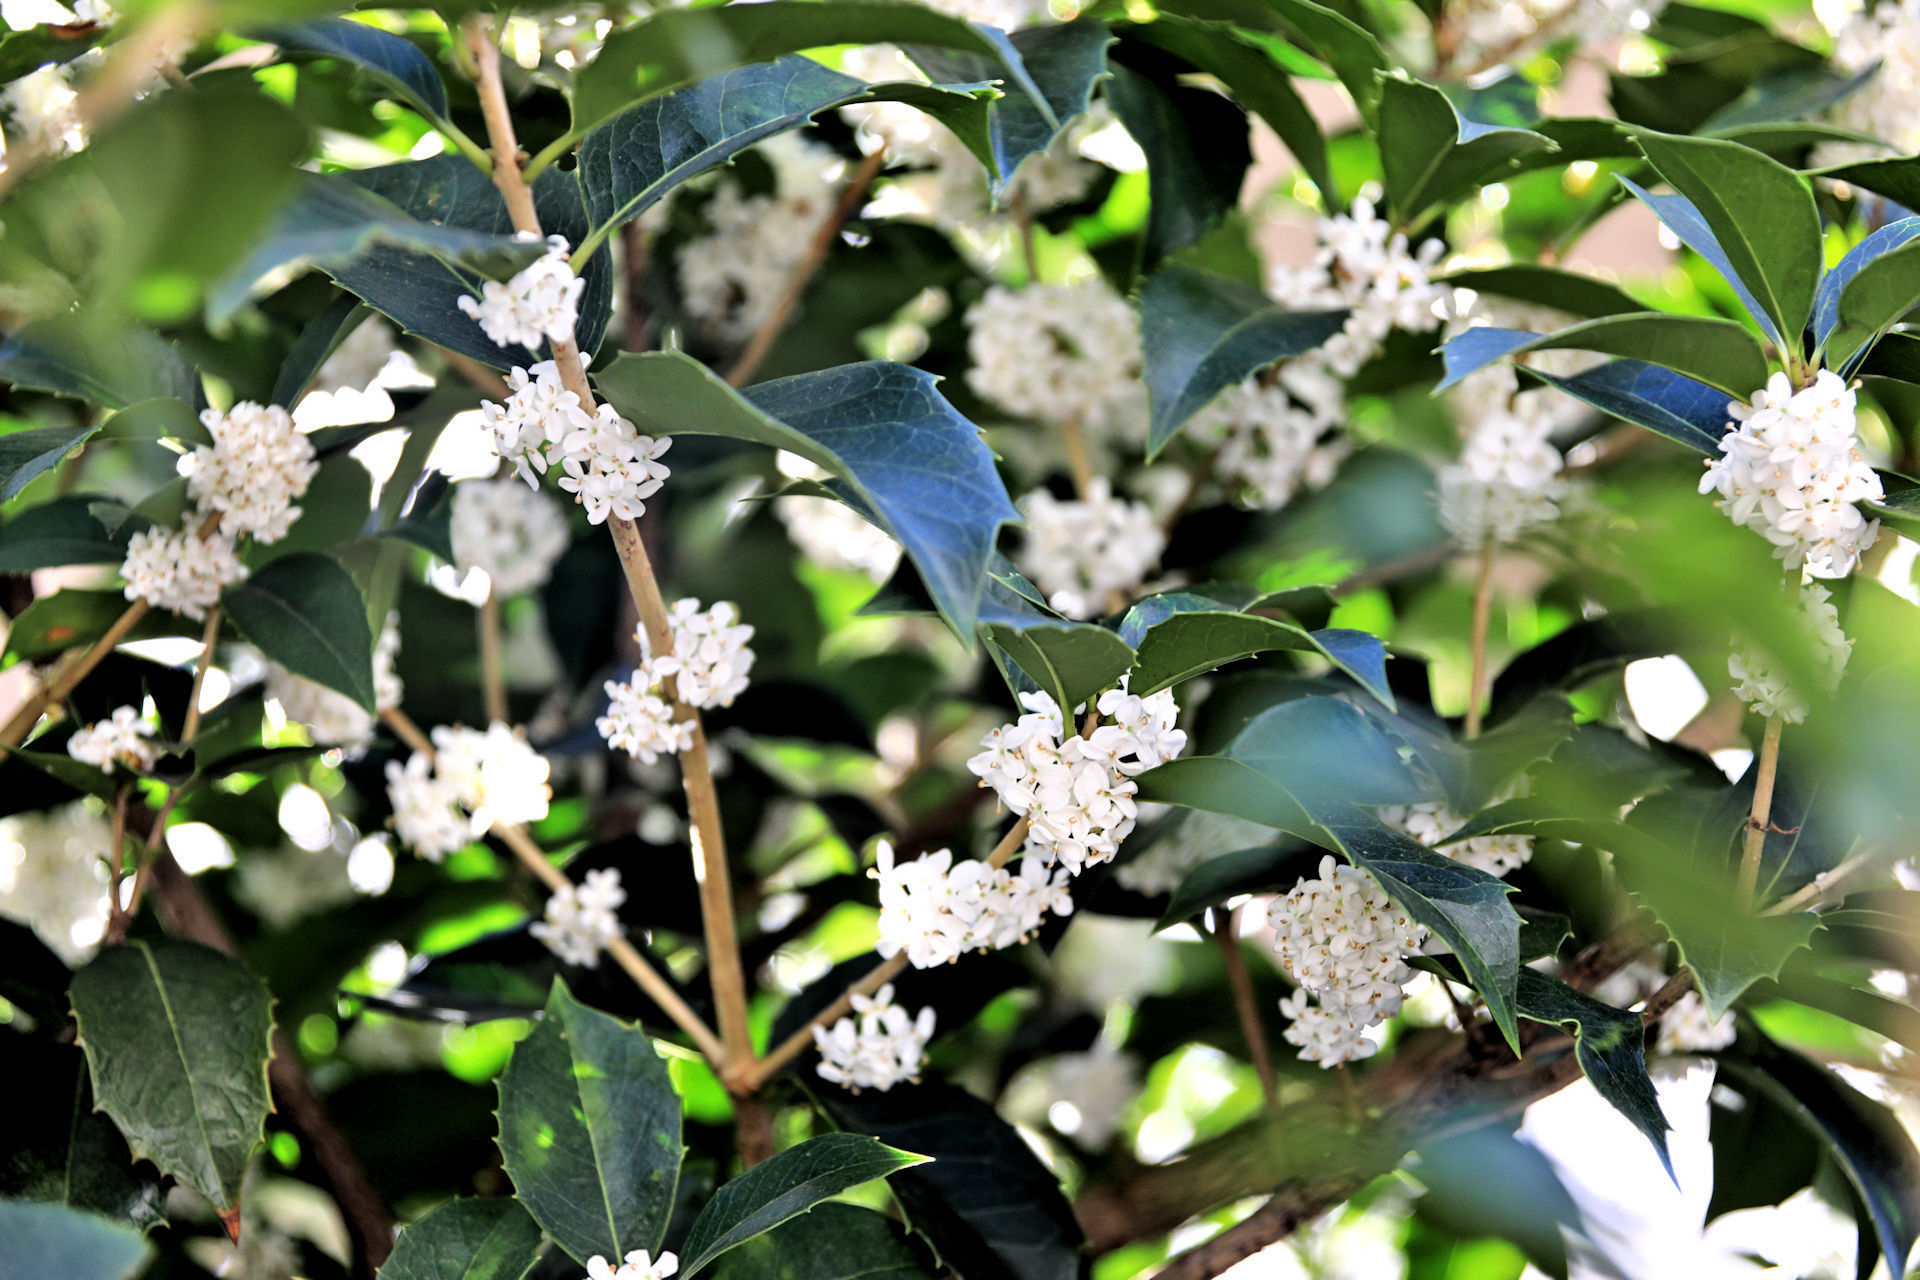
x=122, y=738
x=1433, y=822
x=426, y=809
x=876, y=1047
x=829, y=533
x=177, y=570
x=538, y=304
x=1366, y=266
x=639, y=1265
x=1270, y=446
x=1885, y=37
x=499, y=778
x=330, y=717
x=43, y=116
x=514, y=533
x=1686, y=1028
x=1345, y=942
x=1196, y=837
x=640, y=722
x=732, y=279
x=1084, y=1094
x=256, y=469
x=710, y=658
x=1507, y=479
x=611, y=468
x=1082, y=552
x=292, y=884
x=1057, y=353
x=583, y=919
x=1763, y=685
x=530, y=428
x=1791, y=469
x=53, y=878
x=1326, y=1035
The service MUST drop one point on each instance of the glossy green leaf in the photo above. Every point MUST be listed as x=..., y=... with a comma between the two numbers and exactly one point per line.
x=1347, y=47
x=1664, y=402
x=1709, y=350
x=1071, y=661
x=1881, y=284
x=1273, y=868
x=1201, y=333
x=1197, y=150
x=111, y=366
x=1570, y=291
x=396, y=63
x=59, y=1150
x=1610, y=1045
x=159, y=419
x=1190, y=644
x=177, y=1040
x=590, y=1131
x=45, y=1240
x=1760, y=214
x=1565, y=661
x=27, y=455
x=785, y=1186
x=58, y=532
x=1430, y=153
x=834, y=1242
x=319, y=338
x=911, y=460
x=466, y=1240
x=1897, y=179
x=304, y=611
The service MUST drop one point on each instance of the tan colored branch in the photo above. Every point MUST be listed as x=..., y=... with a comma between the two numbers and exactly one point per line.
x=190, y=725
x=1245, y=1006
x=1768, y=764
x=493, y=676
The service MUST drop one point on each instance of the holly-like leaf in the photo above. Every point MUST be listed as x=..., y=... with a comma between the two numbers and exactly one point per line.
x=1071, y=661
x=60, y=1150
x=1609, y=1044
x=1197, y=154
x=1568, y=659
x=1762, y=229
x=54, y=1240
x=177, y=1040
x=1707, y=349
x=467, y=1240
x=111, y=366
x=590, y=1131
x=1201, y=333
x=834, y=1242
x=394, y=62
x=1190, y=644
x=1430, y=153
x=785, y=1186
x=1868, y=292
x=305, y=612
x=1664, y=402
x=914, y=463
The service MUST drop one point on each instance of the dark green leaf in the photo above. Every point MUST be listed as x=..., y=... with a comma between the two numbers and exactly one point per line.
x=783, y=1187
x=1197, y=155
x=61, y=531
x=1569, y=659
x=59, y=1150
x=1796, y=94
x=1071, y=661
x=27, y=455
x=1346, y=46
x=1272, y=868
x=396, y=63
x=1868, y=291
x=177, y=1039
x=305, y=612
x=1707, y=349
x=156, y=420
x=110, y=366
x=1896, y=179
x=52, y=1240
x=1201, y=333
x=1190, y=644
x=467, y=1240
x=917, y=465
x=1759, y=215
x=1610, y=1045
x=53, y=624
x=1569, y=291
x=590, y=1131
x=319, y=338
x=834, y=1242
x=85, y=778
x=1901, y=506
x=1667, y=403
x=1428, y=153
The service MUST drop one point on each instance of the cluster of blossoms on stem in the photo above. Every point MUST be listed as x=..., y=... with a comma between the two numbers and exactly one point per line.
x=1345, y=943
x=1884, y=38
x=936, y=910
x=472, y=779
x=1687, y=1028
x=513, y=533
x=1433, y=822
x=877, y=1047
x=43, y=116
x=830, y=534
x=537, y=305
x=1791, y=469
x=709, y=666
x=1366, y=266
x=1270, y=444
x=639, y=1265
x=1082, y=552
x=1761, y=683
x=609, y=467
x=331, y=718
x=53, y=878
x=1059, y=354
x=1507, y=479
x=122, y=738
x=582, y=919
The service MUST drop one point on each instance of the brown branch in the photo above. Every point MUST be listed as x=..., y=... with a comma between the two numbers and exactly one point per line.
x=1245, y=1006
x=493, y=676
x=190, y=726
x=1768, y=767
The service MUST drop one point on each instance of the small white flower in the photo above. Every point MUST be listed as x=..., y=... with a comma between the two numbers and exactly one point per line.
x=1271, y=446
x=1687, y=1029
x=177, y=570
x=514, y=533
x=43, y=115
x=1761, y=684
x=472, y=781
x=1082, y=552
x=710, y=658
x=53, y=877
x=639, y=1266
x=426, y=809
x=537, y=305
x=122, y=738
x=583, y=919
x=1344, y=941
x=641, y=723
x=256, y=469
x=1431, y=823
x=1367, y=267
x=332, y=718
x=1058, y=353
x=1328, y=1036
x=875, y=1048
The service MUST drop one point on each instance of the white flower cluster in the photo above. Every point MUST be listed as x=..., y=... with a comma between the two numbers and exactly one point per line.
x=360, y=358
x=1761, y=684
x=829, y=533
x=537, y=305
x=178, y=570
x=1270, y=445
x=1507, y=479
x=123, y=738
x=1431, y=823
x=514, y=533
x=1077, y=792
x=53, y=877
x=43, y=116
x=640, y=1265
x=472, y=780
x=709, y=666
x=254, y=471
x=878, y=1047
x=1791, y=469
x=605, y=462
x=1083, y=1094
x=732, y=279
x=582, y=919
x=293, y=884
x=1507, y=30
x=936, y=910
x=330, y=717
x=1059, y=353
x=1686, y=1028
x=1885, y=36
x=1345, y=943
x=1366, y=266
x=1081, y=553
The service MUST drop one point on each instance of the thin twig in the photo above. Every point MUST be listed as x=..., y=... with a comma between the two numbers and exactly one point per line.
x=1769, y=768
x=1023, y=221
x=476, y=373
x=1482, y=615
x=55, y=691
x=1820, y=888
x=1245, y=1006
x=1079, y=459
x=190, y=725
x=823, y=237
x=493, y=676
